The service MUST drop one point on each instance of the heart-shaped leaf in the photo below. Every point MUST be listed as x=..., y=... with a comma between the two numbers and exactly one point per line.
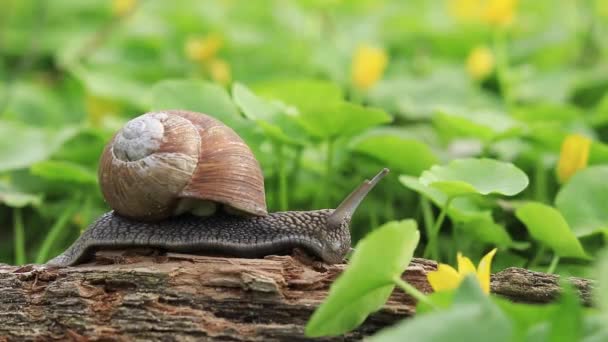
x=486, y=126
x=322, y=110
x=16, y=198
x=304, y=94
x=341, y=119
x=368, y=281
x=460, y=322
x=405, y=155
x=275, y=120
x=197, y=96
x=548, y=226
x=461, y=208
x=476, y=176
x=583, y=200
x=64, y=171
x=601, y=291
x=483, y=229
x=29, y=145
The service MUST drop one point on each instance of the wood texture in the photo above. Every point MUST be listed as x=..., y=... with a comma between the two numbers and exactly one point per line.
x=192, y=298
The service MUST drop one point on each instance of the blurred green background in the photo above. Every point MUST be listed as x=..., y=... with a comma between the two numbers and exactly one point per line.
x=326, y=92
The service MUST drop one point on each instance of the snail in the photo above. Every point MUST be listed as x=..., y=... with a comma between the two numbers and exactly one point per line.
x=185, y=182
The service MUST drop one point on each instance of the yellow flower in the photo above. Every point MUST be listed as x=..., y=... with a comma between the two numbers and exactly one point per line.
x=99, y=108
x=219, y=71
x=468, y=10
x=203, y=48
x=493, y=12
x=601, y=7
x=480, y=63
x=368, y=66
x=121, y=8
x=573, y=156
x=447, y=278
x=499, y=12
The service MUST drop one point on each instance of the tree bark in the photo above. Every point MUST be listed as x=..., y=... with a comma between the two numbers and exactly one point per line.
x=186, y=297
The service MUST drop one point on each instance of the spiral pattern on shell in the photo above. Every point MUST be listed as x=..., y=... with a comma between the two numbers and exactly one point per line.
x=163, y=163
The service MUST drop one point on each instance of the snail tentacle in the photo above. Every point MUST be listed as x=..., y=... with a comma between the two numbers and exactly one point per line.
x=325, y=232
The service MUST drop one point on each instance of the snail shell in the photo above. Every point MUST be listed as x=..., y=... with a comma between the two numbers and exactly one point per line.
x=164, y=163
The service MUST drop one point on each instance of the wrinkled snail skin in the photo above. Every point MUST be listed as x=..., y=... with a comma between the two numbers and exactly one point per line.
x=225, y=234
x=163, y=167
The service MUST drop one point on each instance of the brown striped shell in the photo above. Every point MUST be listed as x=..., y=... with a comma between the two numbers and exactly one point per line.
x=165, y=163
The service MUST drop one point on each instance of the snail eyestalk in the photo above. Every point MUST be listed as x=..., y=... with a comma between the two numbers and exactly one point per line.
x=347, y=208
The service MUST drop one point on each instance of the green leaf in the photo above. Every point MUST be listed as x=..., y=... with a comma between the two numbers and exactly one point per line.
x=341, y=119
x=598, y=153
x=481, y=176
x=461, y=208
x=408, y=156
x=567, y=321
x=601, y=291
x=525, y=316
x=252, y=106
x=583, y=200
x=472, y=317
x=367, y=283
x=304, y=94
x=111, y=84
x=273, y=119
x=197, y=96
x=547, y=112
x=16, y=198
x=482, y=228
x=85, y=147
x=548, y=226
x=28, y=145
x=444, y=88
x=64, y=171
x=486, y=126
x=440, y=299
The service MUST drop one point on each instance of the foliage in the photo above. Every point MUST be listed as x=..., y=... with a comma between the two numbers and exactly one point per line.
x=491, y=114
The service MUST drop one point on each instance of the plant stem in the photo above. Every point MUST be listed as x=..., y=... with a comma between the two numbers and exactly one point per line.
x=540, y=187
x=295, y=169
x=553, y=264
x=537, y=256
x=283, y=184
x=19, y=233
x=412, y=291
x=427, y=215
x=29, y=55
x=374, y=220
x=502, y=67
x=328, y=172
x=55, y=231
x=389, y=208
x=432, y=248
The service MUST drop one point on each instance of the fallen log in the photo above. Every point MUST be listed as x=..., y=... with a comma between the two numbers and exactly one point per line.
x=187, y=297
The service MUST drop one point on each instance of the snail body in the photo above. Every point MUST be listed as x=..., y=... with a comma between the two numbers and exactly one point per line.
x=185, y=182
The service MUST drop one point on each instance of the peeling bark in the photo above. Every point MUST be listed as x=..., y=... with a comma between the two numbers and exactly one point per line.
x=186, y=297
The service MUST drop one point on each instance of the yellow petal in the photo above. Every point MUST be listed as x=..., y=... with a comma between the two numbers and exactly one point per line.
x=203, y=48
x=445, y=278
x=220, y=71
x=368, y=66
x=467, y=10
x=499, y=12
x=121, y=8
x=465, y=265
x=601, y=7
x=100, y=108
x=484, y=269
x=480, y=63
x=573, y=156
